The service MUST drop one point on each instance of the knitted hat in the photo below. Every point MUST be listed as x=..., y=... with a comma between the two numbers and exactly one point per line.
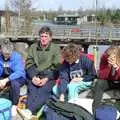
x=7, y=47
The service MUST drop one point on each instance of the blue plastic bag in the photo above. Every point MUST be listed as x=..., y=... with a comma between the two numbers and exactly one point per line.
x=106, y=112
x=5, y=109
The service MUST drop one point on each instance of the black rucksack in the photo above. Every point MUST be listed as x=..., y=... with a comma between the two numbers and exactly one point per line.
x=57, y=110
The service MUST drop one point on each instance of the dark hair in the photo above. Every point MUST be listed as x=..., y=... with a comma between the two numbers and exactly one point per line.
x=45, y=29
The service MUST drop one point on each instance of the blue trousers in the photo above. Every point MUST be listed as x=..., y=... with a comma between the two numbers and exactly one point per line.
x=37, y=96
x=15, y=89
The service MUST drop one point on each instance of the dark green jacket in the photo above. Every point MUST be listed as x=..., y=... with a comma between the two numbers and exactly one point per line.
x=40, y=59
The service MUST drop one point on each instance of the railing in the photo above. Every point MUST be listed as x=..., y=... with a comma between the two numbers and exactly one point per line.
x=62, y=32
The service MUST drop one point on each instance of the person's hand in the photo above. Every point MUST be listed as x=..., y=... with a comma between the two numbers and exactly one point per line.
x=116, y=66
x=3, y=83
x=62, y=98
x=112, y=62
x=43, y=81
x=36, y=80
x=77, y=79
x=112, y=59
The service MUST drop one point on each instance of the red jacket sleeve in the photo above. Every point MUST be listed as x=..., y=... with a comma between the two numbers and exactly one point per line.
x=104, y=68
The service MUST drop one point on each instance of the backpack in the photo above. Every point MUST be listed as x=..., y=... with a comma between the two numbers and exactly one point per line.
x=5, y=109
x=57, y=110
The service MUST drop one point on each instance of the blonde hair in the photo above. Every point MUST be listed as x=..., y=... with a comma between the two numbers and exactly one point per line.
x=115, y=51
x=118, y=56
x=111, y=50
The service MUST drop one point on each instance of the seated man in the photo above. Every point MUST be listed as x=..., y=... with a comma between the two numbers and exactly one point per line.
x=41, y=65
x=76, y=74
x=109, y=74
x=11, y=70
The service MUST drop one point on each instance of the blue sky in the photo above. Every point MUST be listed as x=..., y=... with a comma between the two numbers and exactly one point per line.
x=71, y=4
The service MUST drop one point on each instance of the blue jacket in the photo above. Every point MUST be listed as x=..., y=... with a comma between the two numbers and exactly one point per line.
x=15, y=64
x=83, y=67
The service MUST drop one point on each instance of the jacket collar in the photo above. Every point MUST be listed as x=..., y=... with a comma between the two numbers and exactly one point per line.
x=4, y=58
x=41, y=49
x=77, y=61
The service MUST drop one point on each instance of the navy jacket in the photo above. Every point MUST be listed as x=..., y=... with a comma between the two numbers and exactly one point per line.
x=82, y=67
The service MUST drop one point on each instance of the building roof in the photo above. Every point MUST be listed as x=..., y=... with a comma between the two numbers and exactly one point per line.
x=2, y=13
x=68, y=15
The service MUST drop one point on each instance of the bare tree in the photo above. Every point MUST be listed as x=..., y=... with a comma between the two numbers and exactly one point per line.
x=60, y=10
x=24, y=10
x=7, y=17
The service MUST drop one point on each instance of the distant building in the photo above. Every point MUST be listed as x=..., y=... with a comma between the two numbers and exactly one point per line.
x=67, y=19
x=73, y=19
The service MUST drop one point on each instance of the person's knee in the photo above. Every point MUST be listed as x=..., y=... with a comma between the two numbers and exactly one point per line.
x=100, y=84
x=71, y=86
x=72, y=91
x=14, y=83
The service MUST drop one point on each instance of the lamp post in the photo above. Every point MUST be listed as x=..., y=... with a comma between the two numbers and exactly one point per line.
x=95, y=48
x=96, y=27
